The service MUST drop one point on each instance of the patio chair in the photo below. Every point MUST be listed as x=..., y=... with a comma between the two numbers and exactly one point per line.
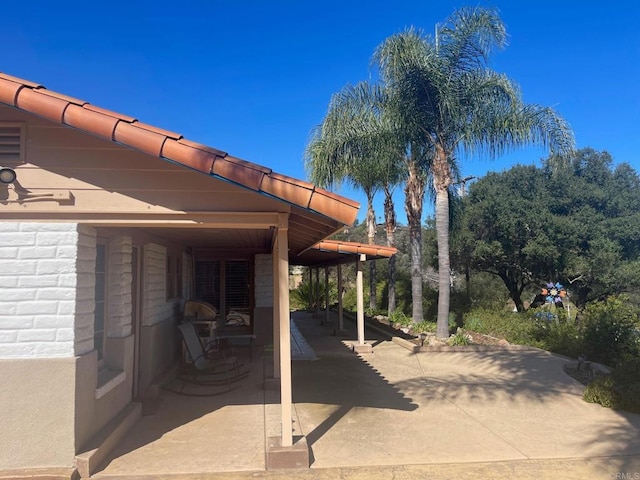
x=205, y=365
x=204, y=316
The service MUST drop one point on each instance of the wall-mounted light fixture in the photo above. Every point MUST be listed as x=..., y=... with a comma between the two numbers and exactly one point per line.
x=23, y=195
x=7, y=175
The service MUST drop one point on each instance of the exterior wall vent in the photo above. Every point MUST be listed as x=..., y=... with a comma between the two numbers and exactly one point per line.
x=11, y=144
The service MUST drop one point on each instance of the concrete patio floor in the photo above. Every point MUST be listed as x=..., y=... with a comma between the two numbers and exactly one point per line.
x=391, y=414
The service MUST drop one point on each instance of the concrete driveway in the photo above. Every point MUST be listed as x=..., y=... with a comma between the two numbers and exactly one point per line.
x=393, y=414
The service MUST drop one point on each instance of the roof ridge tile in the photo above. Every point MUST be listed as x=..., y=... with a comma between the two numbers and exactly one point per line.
x=161, y=131
x=61, y=96
x=144, y=140
x=21, y=81
x=47, y=106
x=90, y=121
x=110, y=113
x=9, y=91
x=203, y=147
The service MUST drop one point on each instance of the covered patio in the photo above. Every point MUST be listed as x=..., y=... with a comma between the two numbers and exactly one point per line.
x=231, y=432
x=447, y=414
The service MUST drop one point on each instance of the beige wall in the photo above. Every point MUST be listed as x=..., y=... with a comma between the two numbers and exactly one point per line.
x=105, y=177
x=93, y=413
x=38, y=415
x=158, y=349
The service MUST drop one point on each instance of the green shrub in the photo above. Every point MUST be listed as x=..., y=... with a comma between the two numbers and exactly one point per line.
x=513, y=327
x=602, y=391
x=563, y=337
x=399, y=317
x=474, y=323
x=424, y=327
x=610, y=331
x=458, y=339
x=349, y=300
x=630, y=397
x=627, y=372
x=305, y=296
x=620, y=390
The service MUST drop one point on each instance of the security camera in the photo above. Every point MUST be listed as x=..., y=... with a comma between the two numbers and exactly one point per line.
x=7, y=175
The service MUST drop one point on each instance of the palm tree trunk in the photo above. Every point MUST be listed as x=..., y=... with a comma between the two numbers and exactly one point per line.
x=390, y=226
x=442, y=181
x=414, y=198
x=371, y=237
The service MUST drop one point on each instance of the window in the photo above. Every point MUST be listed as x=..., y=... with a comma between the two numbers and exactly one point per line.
x=100, y=314
x=226, y=284
x=171, y=292
x=11, y=143
x=237, y=286
x=174, y=276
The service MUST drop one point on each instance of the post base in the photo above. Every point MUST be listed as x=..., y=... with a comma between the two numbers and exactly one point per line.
x=295, y=456
x=364, y=348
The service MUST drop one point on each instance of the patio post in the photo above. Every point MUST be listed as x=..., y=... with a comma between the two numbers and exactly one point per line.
x=311, y=294
x=285, y=331
x=360, y=298
x=340, y=293
x=326, y=294
x=276, y=315
x=360, y=346
x=317, y=296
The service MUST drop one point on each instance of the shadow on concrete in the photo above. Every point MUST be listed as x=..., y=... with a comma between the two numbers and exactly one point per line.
x=235, y=420
x=339, y=377
x=526, y=398
x=518, y=398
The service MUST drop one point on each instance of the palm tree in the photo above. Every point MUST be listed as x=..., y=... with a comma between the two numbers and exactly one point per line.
x=451, y=104
x=355, y=142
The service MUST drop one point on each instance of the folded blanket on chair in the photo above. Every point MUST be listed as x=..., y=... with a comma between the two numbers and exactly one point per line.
x=235, y=319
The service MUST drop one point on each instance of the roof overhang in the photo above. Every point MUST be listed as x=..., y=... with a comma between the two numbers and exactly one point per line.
x=335, y=252
x=315, y=213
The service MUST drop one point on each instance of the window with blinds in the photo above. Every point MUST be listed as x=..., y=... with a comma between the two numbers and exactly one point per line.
x=237, y=286
x=208, y=282
x=226, y=284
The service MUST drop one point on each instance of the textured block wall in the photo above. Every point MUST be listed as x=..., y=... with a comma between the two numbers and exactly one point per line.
x=119, y=292
x=38, y=266
x=156, y=308
x=263, y=281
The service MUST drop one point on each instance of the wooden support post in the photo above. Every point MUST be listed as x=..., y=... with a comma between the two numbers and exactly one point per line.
x=360, y=298
x=326, y=294
x=361, y=346
x=311, y=294
x=276, y=313
x=340, y=294
x=317, y=296
x=285, y=331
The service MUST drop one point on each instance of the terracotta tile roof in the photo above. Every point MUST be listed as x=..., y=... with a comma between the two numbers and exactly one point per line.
x=333, y=252
x=354, y=248
x=34, y=98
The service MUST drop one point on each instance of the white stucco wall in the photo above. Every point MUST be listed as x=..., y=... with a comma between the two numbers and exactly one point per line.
x=156, y=309
x=263, y=281
x=37, y=289
x=119, y=291
x=85, y=291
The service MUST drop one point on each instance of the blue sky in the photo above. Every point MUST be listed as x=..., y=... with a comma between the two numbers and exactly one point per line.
x=254, y=77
